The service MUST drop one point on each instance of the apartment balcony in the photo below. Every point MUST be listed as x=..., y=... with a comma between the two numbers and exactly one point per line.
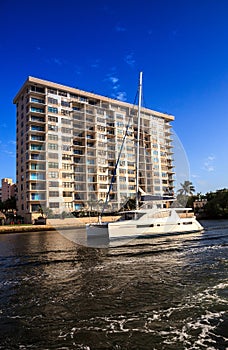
x=78, y=152
x=90, y=127
x=36, y=119
x=37, y=166
x=90, y=137
x=80, y=161
x=168, y=132
x=36, y=138
x=37, y=110
x=40, y=176
x=91, y=144
x=36, y=156
x=78, y=135
x=37, y=101
x=168, y=145
x=36, y=198
x=40, y=146
x=169, y=165
x=36, y=90
x=169, y=171
x=37, y=187
x=34, y=128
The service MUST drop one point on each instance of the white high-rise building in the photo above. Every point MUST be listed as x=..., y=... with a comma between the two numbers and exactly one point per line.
x=68, y=143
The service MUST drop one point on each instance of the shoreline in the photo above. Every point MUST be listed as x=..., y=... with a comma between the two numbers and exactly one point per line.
x=54, y=225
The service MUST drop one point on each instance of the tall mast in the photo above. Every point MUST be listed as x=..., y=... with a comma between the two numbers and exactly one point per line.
x=138, y=140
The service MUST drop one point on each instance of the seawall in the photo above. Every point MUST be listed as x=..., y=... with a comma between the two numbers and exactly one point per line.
x=55, y=224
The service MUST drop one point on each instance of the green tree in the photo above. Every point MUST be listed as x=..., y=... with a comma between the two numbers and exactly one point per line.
x=9, y=204
x=184, y=194
x=187, y=188
x=217, y=204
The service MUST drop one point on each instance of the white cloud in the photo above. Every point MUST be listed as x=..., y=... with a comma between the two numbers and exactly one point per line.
x=120, y=95
x=9, y=153
x=194, y=176
x=208, y=163
x=114, y=80
x=129, y=59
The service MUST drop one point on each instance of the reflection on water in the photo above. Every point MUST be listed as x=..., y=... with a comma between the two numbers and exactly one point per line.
x=161, y=293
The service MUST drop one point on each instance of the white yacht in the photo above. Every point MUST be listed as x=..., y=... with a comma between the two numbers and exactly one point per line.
x=151, y=219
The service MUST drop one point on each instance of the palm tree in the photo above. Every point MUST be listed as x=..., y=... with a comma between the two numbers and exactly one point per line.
x=187, y=188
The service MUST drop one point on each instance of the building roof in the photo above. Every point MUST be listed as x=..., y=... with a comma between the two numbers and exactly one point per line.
x=34, y=80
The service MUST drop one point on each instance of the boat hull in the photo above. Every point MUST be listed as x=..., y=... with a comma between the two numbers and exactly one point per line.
x=133, y=230
x=102, y=235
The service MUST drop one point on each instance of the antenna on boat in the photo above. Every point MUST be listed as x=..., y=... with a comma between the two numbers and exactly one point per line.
x=138, y=140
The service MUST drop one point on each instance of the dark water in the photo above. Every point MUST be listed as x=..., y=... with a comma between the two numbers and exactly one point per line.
x=162, y=293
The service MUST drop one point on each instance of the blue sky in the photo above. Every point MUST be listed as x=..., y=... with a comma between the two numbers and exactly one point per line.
x=100, y=46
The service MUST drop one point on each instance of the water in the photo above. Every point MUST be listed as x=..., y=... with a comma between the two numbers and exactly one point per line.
x=161, y=293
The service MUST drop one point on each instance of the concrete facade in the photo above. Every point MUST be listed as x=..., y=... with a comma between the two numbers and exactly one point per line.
x=7, y=189
x=68, y=142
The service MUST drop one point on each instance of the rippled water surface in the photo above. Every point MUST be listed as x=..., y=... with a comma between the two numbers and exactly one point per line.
x=158, y=293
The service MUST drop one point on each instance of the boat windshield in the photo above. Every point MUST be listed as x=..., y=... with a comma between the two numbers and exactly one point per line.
x=130, y=216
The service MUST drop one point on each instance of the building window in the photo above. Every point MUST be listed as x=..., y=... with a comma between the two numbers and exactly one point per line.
x=36, y=147
x=53, y=155
x=53, y=146
x=66, y=176
x=37, y=166
x=67, y=166
x=36, y=100
x=52, y=91
x=35, y=207
x=66, y=130
x=66, y=148
x=53, y=137
x=53, y=165
x=53, y=174
x=52, y=119
x=37, y=128
x=35, y=197
x=53, y=128
x=53, y=184
x=53, y=193
x=62, y=93
x=78, y=151
x=37, y=119
x=37, y=110
x=66, y=157
x=53, y=110
x=37, y=138
x=53, y=205
x=66, y=139
x=37, y=176
x=53, y=101
x=67, y=194
x=65, y=104
x=67, y=184
x=66, y=121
